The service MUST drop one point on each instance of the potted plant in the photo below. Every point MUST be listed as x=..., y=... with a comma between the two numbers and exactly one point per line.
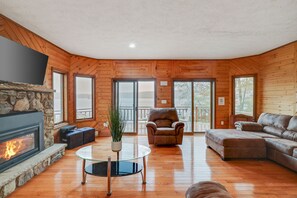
x=116, y=126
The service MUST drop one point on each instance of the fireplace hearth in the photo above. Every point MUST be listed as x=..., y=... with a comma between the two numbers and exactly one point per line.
x=21, y=137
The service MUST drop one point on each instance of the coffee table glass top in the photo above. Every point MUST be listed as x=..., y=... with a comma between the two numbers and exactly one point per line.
x=102, y=152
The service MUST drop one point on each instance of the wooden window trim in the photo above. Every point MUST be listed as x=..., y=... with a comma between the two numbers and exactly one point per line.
x=114, y=80
x=255, y=92
x=93, y=77
x=65, y=99
x=213, y=97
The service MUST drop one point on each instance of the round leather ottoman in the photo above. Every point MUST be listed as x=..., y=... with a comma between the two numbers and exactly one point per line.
x=207, y=189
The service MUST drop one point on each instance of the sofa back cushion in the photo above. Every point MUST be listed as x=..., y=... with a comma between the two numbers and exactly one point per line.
x=278, y=121
x=291, y=132
x=163, y=123
x=163, y=114
x=282, y=121
x=293, y=124
x=273, y=123
x=266, y=119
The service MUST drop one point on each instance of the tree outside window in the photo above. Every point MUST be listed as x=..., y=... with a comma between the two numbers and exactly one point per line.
x=244, y=95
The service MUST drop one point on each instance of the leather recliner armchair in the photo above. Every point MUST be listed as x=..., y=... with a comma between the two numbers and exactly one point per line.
x=163, y=127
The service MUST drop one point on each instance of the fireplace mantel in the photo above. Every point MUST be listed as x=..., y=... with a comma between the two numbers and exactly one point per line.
x=24, y=87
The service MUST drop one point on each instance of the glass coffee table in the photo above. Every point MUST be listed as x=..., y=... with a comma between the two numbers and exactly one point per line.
x=106, y=163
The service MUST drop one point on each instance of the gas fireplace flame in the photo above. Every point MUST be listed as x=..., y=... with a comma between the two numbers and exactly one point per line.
x=12, y=148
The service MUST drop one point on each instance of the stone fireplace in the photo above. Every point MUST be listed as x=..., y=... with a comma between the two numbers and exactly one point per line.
x=26, y=134
x=26, y=98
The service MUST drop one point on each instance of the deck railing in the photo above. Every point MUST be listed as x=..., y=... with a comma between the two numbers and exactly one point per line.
x=80, y=114
x=201, y=115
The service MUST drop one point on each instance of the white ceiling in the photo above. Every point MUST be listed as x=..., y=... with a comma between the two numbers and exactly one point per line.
x=161, y=29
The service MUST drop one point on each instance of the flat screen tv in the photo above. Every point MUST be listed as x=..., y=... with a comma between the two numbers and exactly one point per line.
x=21, y=64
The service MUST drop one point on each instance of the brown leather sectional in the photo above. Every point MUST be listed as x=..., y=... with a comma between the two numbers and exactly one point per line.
x=273, y=137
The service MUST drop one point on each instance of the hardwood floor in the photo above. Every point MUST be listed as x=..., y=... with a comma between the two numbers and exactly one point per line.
x=170, y=171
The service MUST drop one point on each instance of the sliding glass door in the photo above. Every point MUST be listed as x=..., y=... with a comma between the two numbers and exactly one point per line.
x=126, y=102
x=202, y=106
x=183, y=102
x=194, y=101
x=134, y=98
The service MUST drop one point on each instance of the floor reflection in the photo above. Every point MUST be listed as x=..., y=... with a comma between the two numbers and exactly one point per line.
x=170, y=171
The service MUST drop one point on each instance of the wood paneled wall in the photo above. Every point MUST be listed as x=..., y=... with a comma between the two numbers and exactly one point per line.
x=168, y=70
x=58, y=58
x=246, y=66
x=276, y=72
x=278, y=80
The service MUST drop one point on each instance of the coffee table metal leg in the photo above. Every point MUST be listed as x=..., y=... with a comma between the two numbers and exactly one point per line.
x=84, y=174
x=109, y=176
x=144, y=171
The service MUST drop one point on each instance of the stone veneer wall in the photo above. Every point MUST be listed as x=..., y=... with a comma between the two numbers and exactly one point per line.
x=18, y=97
x=23, y=172
x=24, y=97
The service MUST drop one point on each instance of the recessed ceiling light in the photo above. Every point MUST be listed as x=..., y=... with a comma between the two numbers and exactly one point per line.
x=132, y=45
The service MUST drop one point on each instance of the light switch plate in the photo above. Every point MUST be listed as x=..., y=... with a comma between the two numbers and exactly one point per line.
x=164, y=101
x=163, y=83
x=221, y=100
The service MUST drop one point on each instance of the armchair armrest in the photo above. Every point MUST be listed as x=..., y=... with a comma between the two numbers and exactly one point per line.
x=248, y=126
x=177, y=124
x=152, y=125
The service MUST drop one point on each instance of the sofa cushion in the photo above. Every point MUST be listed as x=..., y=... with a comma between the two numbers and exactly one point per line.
x=263, y=135
x=281, y=145
x=267, y=119
x=248, y=126
x=234, y=138
x=295, y=152
x=163, y=123
x=273, y=130
x=290, y=135
x=163, y=114
x=282, y=121
x=293, y=124
x=165, y=131
x=279, y=121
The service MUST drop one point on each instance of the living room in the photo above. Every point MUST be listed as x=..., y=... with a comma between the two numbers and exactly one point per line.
x=136, y=55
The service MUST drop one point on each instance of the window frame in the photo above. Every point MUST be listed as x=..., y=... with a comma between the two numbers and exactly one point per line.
x=254, y=90
x=93, y=77
x=213, y=106
x=64, y=95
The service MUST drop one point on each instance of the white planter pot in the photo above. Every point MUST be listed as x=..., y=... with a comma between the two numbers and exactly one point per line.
x=116, y=146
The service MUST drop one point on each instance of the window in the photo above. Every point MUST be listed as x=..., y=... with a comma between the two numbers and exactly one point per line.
x=194, y=101
x=244, y=95
x=59, y=87
x=84, y=90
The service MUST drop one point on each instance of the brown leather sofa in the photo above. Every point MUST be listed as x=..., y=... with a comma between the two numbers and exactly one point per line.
x=239, y=117
x=163, y=127
x=273, y=137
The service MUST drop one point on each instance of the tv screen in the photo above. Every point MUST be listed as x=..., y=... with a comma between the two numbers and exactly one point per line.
x=21, y=64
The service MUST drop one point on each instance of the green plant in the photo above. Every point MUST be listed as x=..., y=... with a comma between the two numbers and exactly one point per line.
x=116, y=124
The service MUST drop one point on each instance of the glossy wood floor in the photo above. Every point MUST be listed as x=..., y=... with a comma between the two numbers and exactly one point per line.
x=171, y=170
